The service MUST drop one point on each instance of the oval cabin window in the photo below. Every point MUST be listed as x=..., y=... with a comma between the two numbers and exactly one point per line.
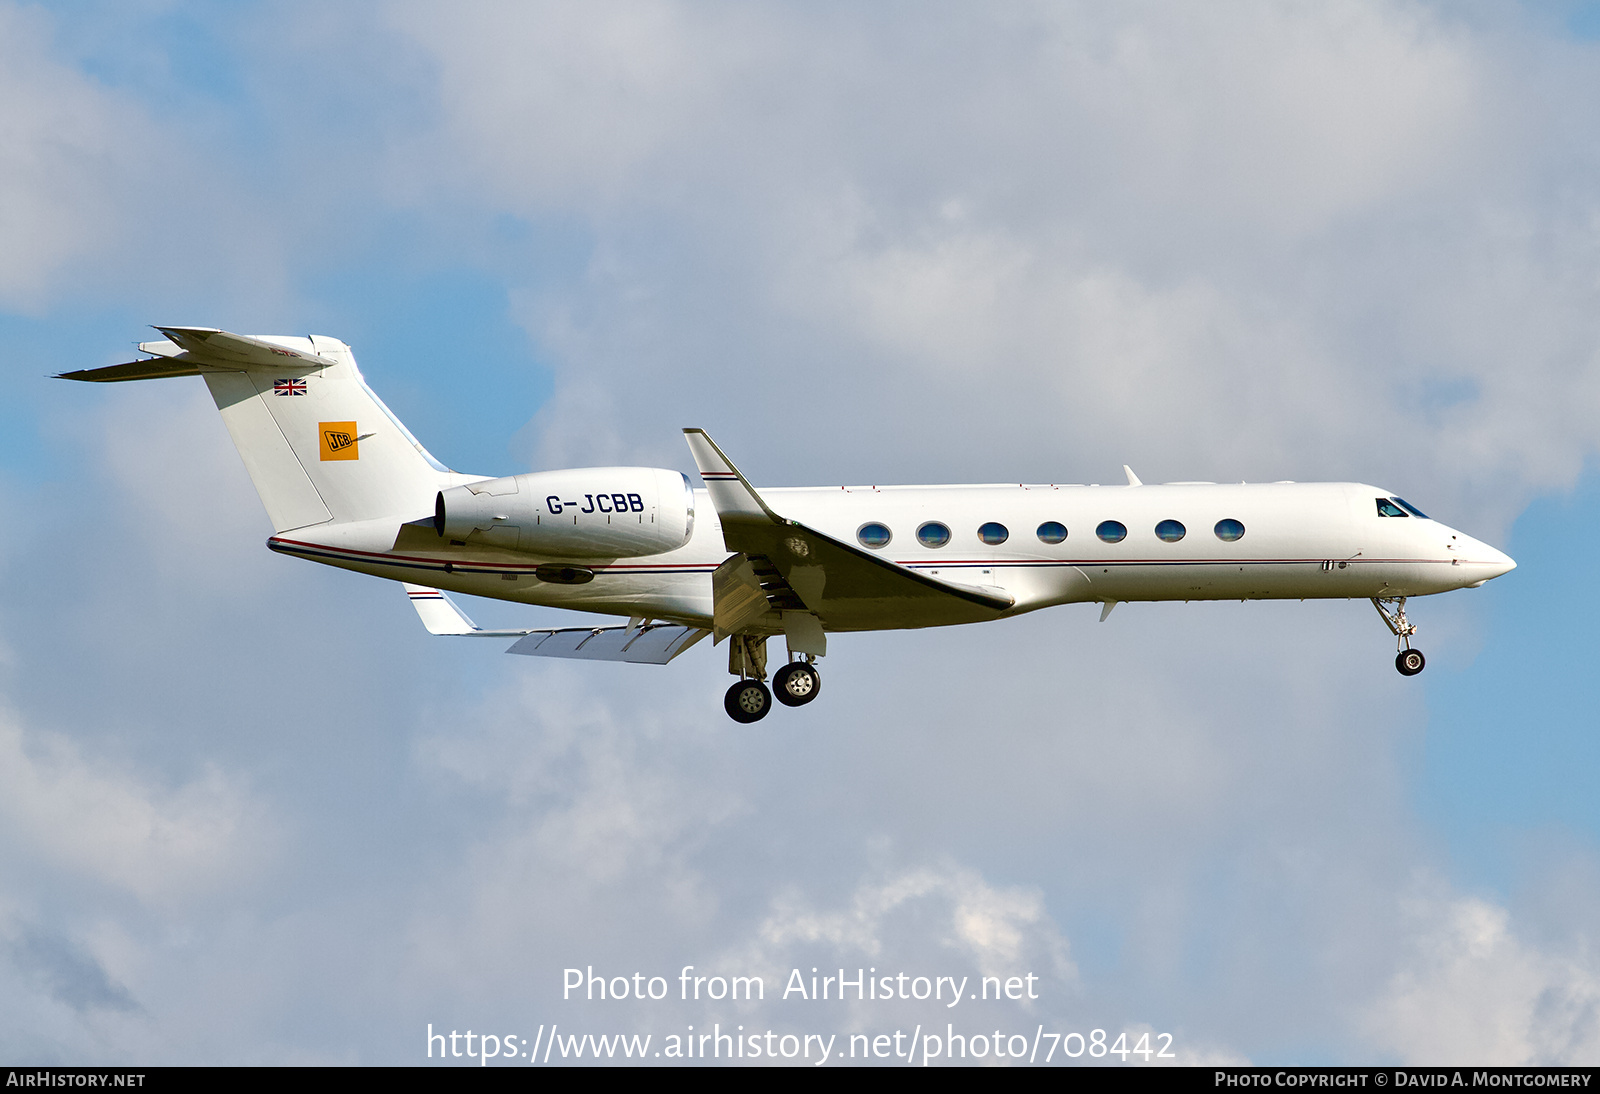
x=873, y=535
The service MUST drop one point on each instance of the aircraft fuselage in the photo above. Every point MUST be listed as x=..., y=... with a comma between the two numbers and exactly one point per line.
x=1298, y=541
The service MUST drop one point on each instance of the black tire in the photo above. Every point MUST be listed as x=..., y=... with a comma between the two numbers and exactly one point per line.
x=796, y=684
x=1409, y=662
x=747, y=701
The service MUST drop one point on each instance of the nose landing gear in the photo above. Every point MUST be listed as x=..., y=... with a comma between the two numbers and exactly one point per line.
x=1408, y=661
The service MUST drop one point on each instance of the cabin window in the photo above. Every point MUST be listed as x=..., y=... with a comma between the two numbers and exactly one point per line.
x=1408, y=507
x=1229, y=530
x=994, y=533
x=1170, y=531
x=874, y=535
x=1387, y=508
x=933, y=534
x=1052, y=531
x=1112, y=531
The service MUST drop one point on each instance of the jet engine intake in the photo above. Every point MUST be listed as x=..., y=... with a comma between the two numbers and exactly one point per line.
x=592, y=512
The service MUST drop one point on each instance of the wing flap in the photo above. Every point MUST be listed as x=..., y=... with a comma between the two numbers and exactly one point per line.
x=651, y=644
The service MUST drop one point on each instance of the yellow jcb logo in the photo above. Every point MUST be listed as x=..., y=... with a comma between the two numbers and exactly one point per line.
x=339, y=440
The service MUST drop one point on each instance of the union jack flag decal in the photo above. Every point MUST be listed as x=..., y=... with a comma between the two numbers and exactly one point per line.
x=288, y=387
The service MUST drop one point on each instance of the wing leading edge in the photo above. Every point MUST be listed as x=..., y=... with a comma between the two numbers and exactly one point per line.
x=843, y=586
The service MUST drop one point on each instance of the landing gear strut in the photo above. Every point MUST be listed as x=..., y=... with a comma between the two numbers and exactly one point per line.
x=1408, y=661
x=749, y=699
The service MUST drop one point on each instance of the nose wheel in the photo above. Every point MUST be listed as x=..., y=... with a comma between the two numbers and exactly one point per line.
x=1408, y=661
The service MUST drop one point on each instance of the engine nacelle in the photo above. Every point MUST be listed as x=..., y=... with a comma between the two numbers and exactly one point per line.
x=590, y=512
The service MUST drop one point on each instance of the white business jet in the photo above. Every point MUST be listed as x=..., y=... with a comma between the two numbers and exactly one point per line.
x=344, y=483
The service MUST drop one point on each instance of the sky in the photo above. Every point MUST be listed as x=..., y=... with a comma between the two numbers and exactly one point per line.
x=250, y=812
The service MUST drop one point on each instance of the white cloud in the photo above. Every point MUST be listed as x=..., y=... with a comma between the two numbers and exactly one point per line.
x=1243, y=240
x=946, y=916
x=1471, y=991
x=175, y=477
x=65, y=151
x=89, y=819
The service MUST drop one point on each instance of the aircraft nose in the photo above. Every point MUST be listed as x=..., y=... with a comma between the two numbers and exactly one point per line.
x=1486, y=562
x=1500, y=562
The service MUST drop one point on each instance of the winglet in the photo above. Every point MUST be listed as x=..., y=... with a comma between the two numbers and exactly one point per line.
x=732, y=496
x=1133, y=480
x=439, y=613
x=441, y=616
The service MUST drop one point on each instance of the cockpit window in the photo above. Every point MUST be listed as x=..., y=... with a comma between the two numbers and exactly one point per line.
x=1408, y=507
x=1387, y=508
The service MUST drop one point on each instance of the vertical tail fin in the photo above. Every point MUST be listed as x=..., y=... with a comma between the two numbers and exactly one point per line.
x=318, y=444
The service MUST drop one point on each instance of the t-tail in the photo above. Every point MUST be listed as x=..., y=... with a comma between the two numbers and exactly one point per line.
x=320, y=446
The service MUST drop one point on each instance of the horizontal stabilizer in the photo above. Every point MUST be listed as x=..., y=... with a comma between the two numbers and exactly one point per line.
x=155, y=368
x=194, y=351
x=208, y=346
x=651, y=644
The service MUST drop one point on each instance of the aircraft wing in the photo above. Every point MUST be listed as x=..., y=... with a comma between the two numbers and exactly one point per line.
x=642, y=643
x=647, y=644
x=844, y=586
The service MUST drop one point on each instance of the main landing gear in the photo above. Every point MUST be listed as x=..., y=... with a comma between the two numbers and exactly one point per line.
x=1408, y=661
x=748, y=700
x=797, y=683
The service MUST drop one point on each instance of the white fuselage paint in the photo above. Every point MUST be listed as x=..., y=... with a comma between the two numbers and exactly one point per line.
x=1301, y=541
